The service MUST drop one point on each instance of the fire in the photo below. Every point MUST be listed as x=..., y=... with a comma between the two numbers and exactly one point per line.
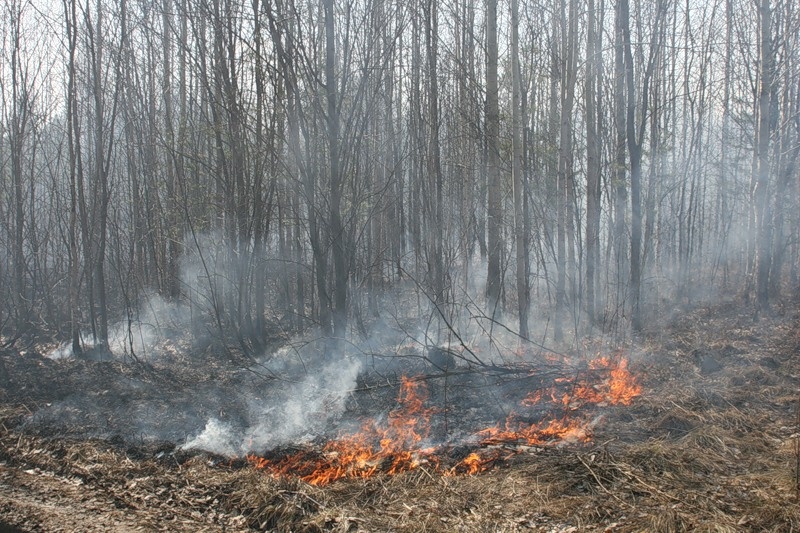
x=474, y=463
x=618, y=387
x=623, y=386
x=533, y=398
x=393, y=447
x=538, y=434
x=396, y=444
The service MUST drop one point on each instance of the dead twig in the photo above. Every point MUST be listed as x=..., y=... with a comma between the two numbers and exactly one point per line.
x=600, y=483
x=639, y=480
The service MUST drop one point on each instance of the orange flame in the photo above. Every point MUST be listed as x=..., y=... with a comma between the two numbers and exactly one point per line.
x=472, y=464
x=538, y=434
x=395, y=445
x=620, y=387
x=623, y=385
x=393, y=448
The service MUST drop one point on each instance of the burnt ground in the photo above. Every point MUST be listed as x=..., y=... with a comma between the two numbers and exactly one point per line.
x=711, y=444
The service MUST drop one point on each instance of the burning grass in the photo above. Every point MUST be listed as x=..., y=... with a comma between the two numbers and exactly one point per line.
x=401, y=442
x=392, y=447
x=692, y=452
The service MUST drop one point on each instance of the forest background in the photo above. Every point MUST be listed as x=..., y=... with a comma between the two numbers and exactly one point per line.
x=246, y=171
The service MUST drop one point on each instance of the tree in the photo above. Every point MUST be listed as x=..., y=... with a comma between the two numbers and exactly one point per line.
x=494, y=212
x=593, y=191
x=566, y=186
x=73, y=137
x=18, y=133
x=518, y=176
x=95, y=214
x=263, y=163
x=762, y=155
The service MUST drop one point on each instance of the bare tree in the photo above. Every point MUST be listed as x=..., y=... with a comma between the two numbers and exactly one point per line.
x=762, y=177
x=73, y=135
x=18, y=133
x=289, y=154
x=518, y=175
x=494, y=210
x=592, y=240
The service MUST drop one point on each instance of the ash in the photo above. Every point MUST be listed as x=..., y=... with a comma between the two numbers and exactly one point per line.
x=303, y=393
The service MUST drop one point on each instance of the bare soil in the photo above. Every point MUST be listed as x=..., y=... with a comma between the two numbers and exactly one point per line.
x=711, y=445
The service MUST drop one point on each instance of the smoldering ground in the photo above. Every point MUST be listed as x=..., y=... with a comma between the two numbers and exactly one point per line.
x=293, y=397
x=166, y=378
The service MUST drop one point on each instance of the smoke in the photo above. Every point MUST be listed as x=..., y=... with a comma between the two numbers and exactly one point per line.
x=292, y=395
x=297, y=412
x=145, y=330
x=217, y=437
x=158, y=320
x=62, y=352
x=142, y=333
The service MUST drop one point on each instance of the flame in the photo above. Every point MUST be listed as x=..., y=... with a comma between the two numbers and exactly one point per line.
x=623, y=385
x=618, y=387
x=392, y=448
x=396, y=444
x=474, y=463
x=538, y=434
x=533, y=398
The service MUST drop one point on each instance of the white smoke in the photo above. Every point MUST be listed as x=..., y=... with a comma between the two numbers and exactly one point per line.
x=300, y=411
x=155, y=321
x=64, y=351
x=217, y=437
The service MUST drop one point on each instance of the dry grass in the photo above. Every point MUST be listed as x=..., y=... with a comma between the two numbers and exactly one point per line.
x=696, y=452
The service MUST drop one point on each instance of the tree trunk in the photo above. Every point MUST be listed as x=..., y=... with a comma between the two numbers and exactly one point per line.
x=494, y=210
x=635, y=154
x=592, y=239
x=523, y=292
x=434, y=155
x=73, y=143
x=763, y=213
x=17, y=134
x=171, y=282
x=338, y=237
x=619, y=167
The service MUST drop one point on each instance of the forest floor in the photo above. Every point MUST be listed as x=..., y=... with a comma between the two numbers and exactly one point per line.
x=710, y=445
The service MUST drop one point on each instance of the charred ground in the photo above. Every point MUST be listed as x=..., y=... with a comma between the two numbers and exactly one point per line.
x=92, y=445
